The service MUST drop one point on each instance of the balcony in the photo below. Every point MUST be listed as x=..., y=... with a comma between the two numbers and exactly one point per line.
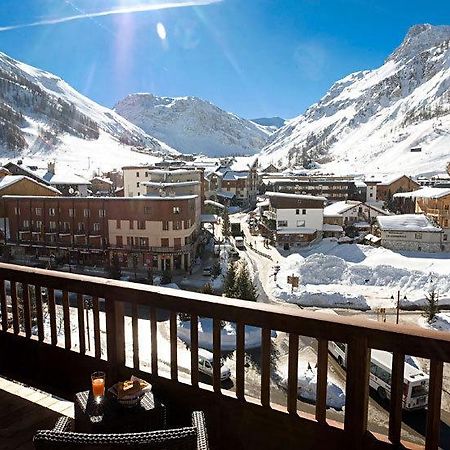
x=59, y=352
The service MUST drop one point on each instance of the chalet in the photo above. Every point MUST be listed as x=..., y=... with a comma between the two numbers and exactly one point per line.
x=390, y=186
x=294, y=219
x=411, y=232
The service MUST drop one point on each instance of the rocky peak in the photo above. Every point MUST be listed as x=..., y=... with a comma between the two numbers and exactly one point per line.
x=420, y=38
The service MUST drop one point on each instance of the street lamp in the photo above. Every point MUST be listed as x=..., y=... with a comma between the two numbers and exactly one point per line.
x=398, y=304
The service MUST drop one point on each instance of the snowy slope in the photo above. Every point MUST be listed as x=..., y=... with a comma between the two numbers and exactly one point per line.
x=369, y=120
x=42, y=118
x=192, y=125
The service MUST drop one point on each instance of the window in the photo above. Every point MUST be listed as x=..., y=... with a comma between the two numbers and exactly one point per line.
x=418, y=235
x=131, y=225
x=300, y=223
x=51, y=211
x=137, y=184
x=177, y=225
x=141, y=224
x=379, y=372
x=176, y=210
x=187, y=224
x=96, y=227
x=119, y=241
x=66, y=226
x=16, y=211
x=102, y=213
x=177, y=242
x=38, y=225
x=146, y=174
x=165, y=225
x=130, y=241
x=445, y=223
x=303, y=211
x=38, y=211
x=137, y=174
x=164, y=242
x=446, y=207
x=71, y=212
x=297, y=211
x=87, y=212
x=80, y=226
x=143, y=242
x=118, y=224
x=444, y=237
x=52, y=225
x=282, y=223
x=26, y=223
x=147, y=210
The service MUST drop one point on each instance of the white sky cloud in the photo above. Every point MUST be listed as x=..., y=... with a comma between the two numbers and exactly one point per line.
x=138, y=8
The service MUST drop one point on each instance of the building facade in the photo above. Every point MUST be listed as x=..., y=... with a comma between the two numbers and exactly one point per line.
x=294, y=219
x=410, y=232
x=152, y=232
x=387, y=188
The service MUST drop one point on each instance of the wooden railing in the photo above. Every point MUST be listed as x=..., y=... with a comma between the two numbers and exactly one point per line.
x=44, y=340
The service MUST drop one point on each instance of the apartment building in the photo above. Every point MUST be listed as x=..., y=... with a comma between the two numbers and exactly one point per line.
x=293, y=219
x=155, y=232
x=331, y=187
x=390, y=186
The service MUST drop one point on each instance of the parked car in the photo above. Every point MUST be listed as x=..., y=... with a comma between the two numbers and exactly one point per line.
x=205, y=365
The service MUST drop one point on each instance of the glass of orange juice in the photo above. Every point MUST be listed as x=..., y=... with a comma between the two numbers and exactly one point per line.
x=98, y=385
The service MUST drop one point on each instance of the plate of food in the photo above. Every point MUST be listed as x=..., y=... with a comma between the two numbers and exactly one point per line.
x=129, y=392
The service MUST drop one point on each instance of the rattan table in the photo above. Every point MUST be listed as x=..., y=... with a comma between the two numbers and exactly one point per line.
x=109, y=416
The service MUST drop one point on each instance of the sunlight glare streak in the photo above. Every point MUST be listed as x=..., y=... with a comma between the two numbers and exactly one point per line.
x=161, y=31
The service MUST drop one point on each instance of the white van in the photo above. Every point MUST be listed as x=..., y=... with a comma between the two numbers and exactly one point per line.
x=205, y=365
x=239, y=242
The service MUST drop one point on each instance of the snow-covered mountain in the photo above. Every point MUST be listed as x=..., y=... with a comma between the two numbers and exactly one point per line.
x=42, y=118
x=192, y=125
x=370, y=120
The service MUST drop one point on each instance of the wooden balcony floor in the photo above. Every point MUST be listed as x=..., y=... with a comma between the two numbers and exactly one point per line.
x=23, y=410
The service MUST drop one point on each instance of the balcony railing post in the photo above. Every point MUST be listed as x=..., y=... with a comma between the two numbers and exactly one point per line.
x=357, y=391
x=115, y=337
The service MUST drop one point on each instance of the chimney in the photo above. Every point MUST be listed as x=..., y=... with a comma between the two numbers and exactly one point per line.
x=51, y=167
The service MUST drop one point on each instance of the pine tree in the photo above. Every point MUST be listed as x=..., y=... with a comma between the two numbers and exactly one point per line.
x=207, y=289
x=225, y=223
x=230, y=281
x=244, y=287
x=431, y=305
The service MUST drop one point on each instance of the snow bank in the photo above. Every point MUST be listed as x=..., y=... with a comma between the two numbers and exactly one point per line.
x=307, y=388
x=440, y=323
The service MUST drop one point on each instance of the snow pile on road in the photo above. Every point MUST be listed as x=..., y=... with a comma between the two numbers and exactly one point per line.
x=441, y=322
x=318, y=271
x=307, y=388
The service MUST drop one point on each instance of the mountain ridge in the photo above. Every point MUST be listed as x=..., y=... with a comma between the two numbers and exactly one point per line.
x=371, y=118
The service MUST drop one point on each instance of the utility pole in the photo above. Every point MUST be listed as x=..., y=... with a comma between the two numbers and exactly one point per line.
x=398, y=305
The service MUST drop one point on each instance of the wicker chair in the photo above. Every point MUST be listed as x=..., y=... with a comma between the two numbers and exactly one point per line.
x=61, y=437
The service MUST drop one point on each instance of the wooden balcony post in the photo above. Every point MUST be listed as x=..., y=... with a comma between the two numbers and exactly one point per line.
x=357, y=391
x=115, y=337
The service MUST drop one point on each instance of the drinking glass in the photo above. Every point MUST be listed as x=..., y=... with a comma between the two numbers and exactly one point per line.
x=98, y=385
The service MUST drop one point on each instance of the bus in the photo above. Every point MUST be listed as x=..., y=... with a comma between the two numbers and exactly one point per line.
x=415, y=381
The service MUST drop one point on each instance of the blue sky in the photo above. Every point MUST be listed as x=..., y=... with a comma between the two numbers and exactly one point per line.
x=252, y=57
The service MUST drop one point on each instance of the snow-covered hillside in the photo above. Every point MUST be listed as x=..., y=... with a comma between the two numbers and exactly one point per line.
x=370, y=120
x=192, y=125
x=42, y=118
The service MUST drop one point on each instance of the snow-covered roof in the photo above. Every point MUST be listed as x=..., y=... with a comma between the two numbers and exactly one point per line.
x=235, y=175
x=297, y=196
x=9, y=180
x=167, y=197
x=426, y=192
x=298, y=230
x=372, y=238
x=391, y=179
x=360, y=184
x=225, y=194
x=338, y=208
x=330, y=227
x=242, y=163
x=212, y=203
x=361, y=225
x=103, y=180
x=172, y=172
x=407, y=222
x=263, y=203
